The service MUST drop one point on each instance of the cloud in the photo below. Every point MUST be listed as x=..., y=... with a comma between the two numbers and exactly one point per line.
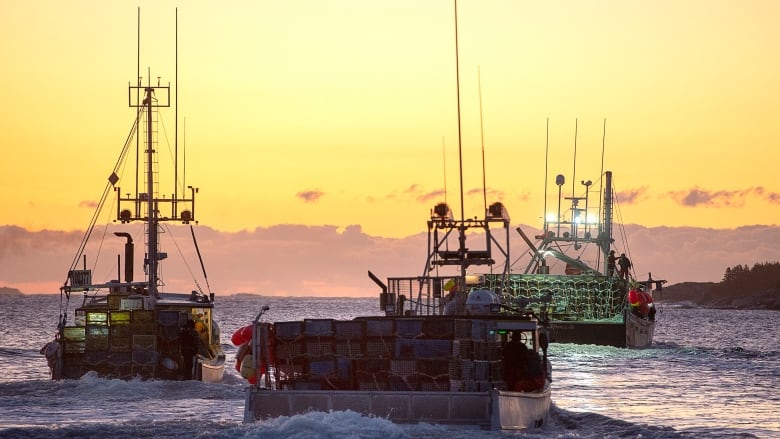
x=298, y=260
x=311, y=196
x=413, y=189
x=418, y=193
x=631, y=196
x=89, y=204
x=730, y=198
x=771, y=197
x=431, y=196
x=492, y=194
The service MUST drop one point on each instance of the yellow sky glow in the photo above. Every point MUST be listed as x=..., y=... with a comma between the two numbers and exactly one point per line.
x=356, y=100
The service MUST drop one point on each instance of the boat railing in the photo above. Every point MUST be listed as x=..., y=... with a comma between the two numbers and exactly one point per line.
x=417, y=295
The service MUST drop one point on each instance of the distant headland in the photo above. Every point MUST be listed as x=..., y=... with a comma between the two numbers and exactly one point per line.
x=742, y=287
x=700, y=293
x=8, y=291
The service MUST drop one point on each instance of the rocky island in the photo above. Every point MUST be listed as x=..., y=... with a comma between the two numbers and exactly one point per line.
x=742, y=287
x=8, y=291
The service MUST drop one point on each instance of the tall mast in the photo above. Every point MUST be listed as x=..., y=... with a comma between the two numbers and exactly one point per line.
x=176, y=121
x=442, y=218
x=606, y=242
x=148, y=99
x=462, y=231
x=482, y=140
x=574, y=165
x=137, y=100
x=151, y=205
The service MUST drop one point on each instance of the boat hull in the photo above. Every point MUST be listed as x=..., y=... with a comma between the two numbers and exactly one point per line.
x=494, y=410
x=636, y=332
x=596, y=333
x=639, y=331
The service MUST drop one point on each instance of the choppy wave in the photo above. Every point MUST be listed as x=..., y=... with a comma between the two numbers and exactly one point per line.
x=707, y=375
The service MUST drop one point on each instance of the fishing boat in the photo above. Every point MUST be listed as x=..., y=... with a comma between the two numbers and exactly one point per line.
x=477, y=370
x=424, y=360
x=574, y=277
x=135, y=328
x=446, y=350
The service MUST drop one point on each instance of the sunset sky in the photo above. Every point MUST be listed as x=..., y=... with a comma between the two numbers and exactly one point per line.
x=344, y=112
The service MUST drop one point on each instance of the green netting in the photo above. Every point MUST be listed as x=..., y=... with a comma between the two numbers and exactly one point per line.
x=574, y=298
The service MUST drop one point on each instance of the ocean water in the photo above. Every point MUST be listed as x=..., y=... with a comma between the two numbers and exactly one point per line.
x=709, y=374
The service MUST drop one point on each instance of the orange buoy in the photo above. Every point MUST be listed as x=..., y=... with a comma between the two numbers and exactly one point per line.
x=633, y=298
x=242, y=335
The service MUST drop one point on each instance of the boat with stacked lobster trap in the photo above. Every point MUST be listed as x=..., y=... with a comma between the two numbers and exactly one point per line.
x=572, y=275
x=429, y=358
x=476, y=370
x=420, y=362
x=135, y=328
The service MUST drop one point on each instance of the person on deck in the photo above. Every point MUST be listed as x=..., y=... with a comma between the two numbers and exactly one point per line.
x=204, y=348
x=189, y=344
x=625, y=265
x=523, y=369
x=611, y=263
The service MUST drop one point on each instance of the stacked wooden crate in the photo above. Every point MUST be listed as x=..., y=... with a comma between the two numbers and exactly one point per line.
x=96, y=342
x=435, y=350
x=73, y=351
x=119, y=356
x=478, y=366
x=289, y=353
x=144, y=343
x=372, y=370
x=169, y=323
x=320, y=365
x=398, y=354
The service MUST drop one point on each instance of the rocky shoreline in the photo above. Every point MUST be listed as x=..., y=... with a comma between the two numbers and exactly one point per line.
x=699, y=293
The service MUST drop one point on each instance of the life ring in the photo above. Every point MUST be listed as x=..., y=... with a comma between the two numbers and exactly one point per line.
x=245, y=360
x=243, y=351
x=242, y=335
x=248, y=367
x=245, y=364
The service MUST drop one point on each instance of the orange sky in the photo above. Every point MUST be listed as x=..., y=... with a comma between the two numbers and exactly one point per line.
x=344, y=112
x=352, y=101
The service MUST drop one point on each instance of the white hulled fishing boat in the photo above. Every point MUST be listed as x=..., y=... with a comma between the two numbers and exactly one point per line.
x=422, y=361
x=476, y=369
x=126, y=328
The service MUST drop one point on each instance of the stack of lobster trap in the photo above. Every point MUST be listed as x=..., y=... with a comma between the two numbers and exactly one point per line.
x=386, y=353
x=122, y=341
